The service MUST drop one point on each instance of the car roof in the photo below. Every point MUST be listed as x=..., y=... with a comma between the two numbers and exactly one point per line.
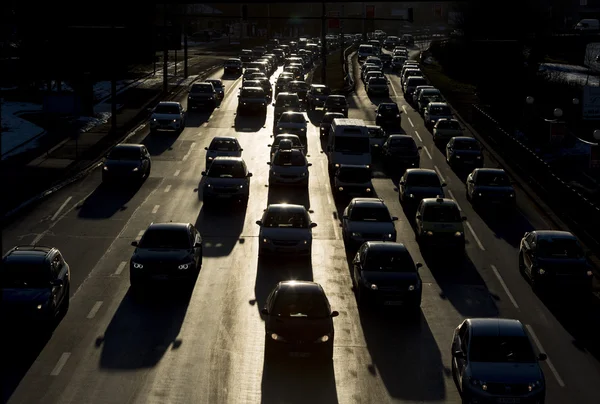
x=373, y=127
x=448, y=120
x=253, y=88
x=336, y=96
x=386, y=246
x=286, y=95
x=274, y=207
x=168, y=226
x=224, y=138
x=467, y=138
x=354, y=166
x=304, y=286
x=287, y=136
x=233, y=60
x=385, y=104
x=297, y=82
x=30, y=253
x=420, y=171
x=438, y=104
x=228, y=160
x=292, y=113
x=554, y=234
x=334, y=114
x=214, y=81
x=439, y=201
x=318, y=85
x=391, y=137
x=128, y=146
x=368, y=202
x=292, y=151
x=171, y=103
x=496, y=327
x=497, y=171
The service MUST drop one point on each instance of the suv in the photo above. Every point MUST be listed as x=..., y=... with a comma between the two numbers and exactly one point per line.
x=227, y=178
x=316, y=96
x=388, y=115
x=35, y=284
x=286, y=102
x=202, y=95
x=252, y=99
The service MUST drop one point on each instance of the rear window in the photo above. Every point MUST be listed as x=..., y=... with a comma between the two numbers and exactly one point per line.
x=287, y=101
x=167, y=109
x=441, y=213
x=286, y=158
x=226, y=170
x=416, y=81
x=446, y=124
x=295, y=140
x=251, y=92
x=292, y=118
x=224, y=145
x=440, y=110
x=337, y=101
x=403, y=143
x=365, y=49
x=466, y=145
x=201, y=88
x=378, y=81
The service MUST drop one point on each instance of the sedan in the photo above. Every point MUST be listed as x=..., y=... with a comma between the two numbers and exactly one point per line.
x=226, y=146
x=168, y=115
x=292, y=122
x=446, y=129
x=388, y=115
x=490, y=187
x=289, y=167
x=227, y=179
x=328, y=118
x=285, y=229
x=417, y=184
x=367, y=219
x=463, y=151
x=401, y=151
x=127, y=161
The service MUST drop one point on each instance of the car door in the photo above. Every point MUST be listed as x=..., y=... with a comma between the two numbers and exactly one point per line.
x=195, y=237
x=402, y=185
x=358, y=263
x=529, y=251
x=346, y=219
x=419, y=218
x=463, y=346
x=449, y=149
x=145, y=157
x=58, y=291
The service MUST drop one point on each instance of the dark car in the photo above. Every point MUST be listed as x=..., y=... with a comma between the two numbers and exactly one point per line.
x=126, y=162
x=226, y=146
x=336, y=103
x=282, y=82
x=219, y=88
x=551, y=258
x=417, y=184
x=166, y=252
x=298, y=87
x=388, y=115
x=464, y=151
x=316, y=96
x=202, y=95
x=286, y=102
x=233, y=66
x=252, y=99
x=35, y=284
x=298, y=321
x=401, y=151
x=493, y=361
x=385, y=273
x=386, y=59
x=353, y=180
x=327, y=120
x=491, y=187
x=227, y=179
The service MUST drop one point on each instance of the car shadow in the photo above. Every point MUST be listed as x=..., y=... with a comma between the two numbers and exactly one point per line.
x=197, y=117
x=509, y=225
x=160, y=142
x=108, y=199
x=249, y=123
x=230, y=76
x=221, y=227
x=298, y=381
x=289, y=195
x=143, y=328
x=409, y=346
x=315, y=116
x=379, y=99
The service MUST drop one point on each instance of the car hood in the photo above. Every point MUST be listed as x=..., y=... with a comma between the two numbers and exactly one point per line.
x=289, y=170
x=283, y=233
x=300, y=328
x=122, y=164
x=25, y=295
x=293, y=125
x=425, y=192
x=575, y=264
x=371, y=227
x=467, y=153
x=505, y=372
x=216, y=153
x=225, y=182
x=202, y=95
x=160, y=256
x=165, y=116
x=391, y=279
x=494, y=190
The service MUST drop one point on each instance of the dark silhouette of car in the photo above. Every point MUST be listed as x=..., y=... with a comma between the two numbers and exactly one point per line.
x=126, y=162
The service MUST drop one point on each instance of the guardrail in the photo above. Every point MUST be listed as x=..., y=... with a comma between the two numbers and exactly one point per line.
x=582, y=214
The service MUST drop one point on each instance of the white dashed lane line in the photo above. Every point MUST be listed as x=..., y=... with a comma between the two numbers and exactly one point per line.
x=548, y=361
x=61, y=208
x=120, y=268
x=403, y=107
x=475, y=236
x=439, y=173
x=60, y=364
x=419, y=137
x=452, y=196
x=168, y=188
x=510, y=296
x=427, y=151
x=177, y=173
x=411, y=122
x=94, y=309
x=155, y=209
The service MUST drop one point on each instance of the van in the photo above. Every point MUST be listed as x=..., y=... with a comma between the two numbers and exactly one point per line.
x=348, y=143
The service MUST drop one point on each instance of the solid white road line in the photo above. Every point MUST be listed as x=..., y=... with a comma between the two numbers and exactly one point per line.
x=452, y=196
x=411, y=122
x=177, y=173
x=168, y=188
x=417, y=133
x=155, y=209
x=61, y=208
x=548, y=361
x=437, y=170
x=94, y=309
x=38, y=238
x=510, y=296
x=475, y=236
x=120, y=268
x=396, y=94
x=427, y=151
x=60, y=364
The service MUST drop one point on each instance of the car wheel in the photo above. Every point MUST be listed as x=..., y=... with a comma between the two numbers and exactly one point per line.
x=521, y=264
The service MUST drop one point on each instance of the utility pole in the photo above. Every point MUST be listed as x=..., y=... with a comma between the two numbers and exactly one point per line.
x=364, y=16
x=268, y=21
x=342, y=34
x=324, y=45
x=113, y=85
x=165, y=51
x=185, y=42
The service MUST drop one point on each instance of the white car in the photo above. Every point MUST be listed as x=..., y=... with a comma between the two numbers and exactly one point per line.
x=434, y=111
x=367, y=219
x=291, y=122
x=167, y=115
x=285, y=229
x=289, y=167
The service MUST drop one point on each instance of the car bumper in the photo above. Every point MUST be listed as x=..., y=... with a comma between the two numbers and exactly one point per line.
x=168, y=126
x=475, y=163
x=280, y=180
x=121, y=176
x=156, y=275
x=400, y=299
x=225, y=194
x=480, y=397
x=273, y=248
x=351, y=190
x=298, y=349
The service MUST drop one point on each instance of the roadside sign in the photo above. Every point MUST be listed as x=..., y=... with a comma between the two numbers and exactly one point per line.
x=591, y=103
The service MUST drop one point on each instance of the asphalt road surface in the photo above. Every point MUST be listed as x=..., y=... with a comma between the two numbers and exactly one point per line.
x=207, y=347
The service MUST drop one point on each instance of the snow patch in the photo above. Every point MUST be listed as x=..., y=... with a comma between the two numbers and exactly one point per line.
x=571, y=73
x=16, y=130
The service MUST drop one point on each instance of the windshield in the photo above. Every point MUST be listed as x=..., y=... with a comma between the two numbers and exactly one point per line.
x=226, y=170
x=416, y=81
x=167, y=109
x=337, y=101
x=559, y=248
x=292, y=118
x=389, y=110
x=430, y=93
x=365, y=49
x=376, y=132
x=295, y=303
x=224, y=145
x=440, y=110
x=201, y=88
x=466, y=145
x=441, y=213
x=378, y=81
x=124, y=153
x=287, y=102
x=294, y=139
x=447, y=124
x=216, y=84
x=24, y=274
x=354, y=175
x=247, y=92
x=322, y=90
x=349, y=144
x=385, y=261
x=166, y=238
x=370, y=214
x=284, y=218
x=501, y=349
x=298, y=86
x=492, y=179
x=423, y=180
x=403, y=143
x=289, y=159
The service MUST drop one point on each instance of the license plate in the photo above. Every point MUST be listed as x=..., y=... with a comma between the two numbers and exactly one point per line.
x=299, y=354
x=393, y=303
x=224, y=196
x=508, y=400
x=160, y=277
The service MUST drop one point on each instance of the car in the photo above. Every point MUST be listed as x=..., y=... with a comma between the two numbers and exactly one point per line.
x=227, y=179
x=411, y=83
x=385, y=273
x=289, y=167
x=369, y=69
x=366, y=50
x=426, y=96
x=36, y=284
x=336, y=103
x=555, y=259
x=367, y=219
x=292, y=122
x=298, y=321
x=167, y=252
x=285, y=229
x=226, y=146
x=434, y=111
x=446, y=129
x=417, y=92
x=493, y=361
x=233, y=66
x=248, y=72
x=299, y=88
x=252, y=99
x=417, y=184
x=410, y=72
x=126, y=162
x=388, y=116
x=294, y=140
x=492, y=188
x=258, y=51
x=282, y=82
x=353, y=180
x=316, y=96
x=408, y=40
x=202, y=95
x=246, y=57
x=375, y=60
x=169, y=116
x=401, y=151
x=368, y=65
x=263, y=83
x=386, y=60
x=219, y=88
x=325, y=124
x=439, y=226
x=378, y=86
x=464, y=151
x=372, y=75
x=377, y=137
x=286, y=102
x=296, y=70
x=397, y=63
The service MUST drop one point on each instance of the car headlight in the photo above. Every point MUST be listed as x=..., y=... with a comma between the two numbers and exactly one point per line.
x=208, y=185
x=368, y=189
x=337, y=166
x=138, y=265
x=242, y=186
x=457, y=156
x=105, y=168
x=183, y=266
x=479, y=194
x=245, y=103
x=355, y=234
x=153, y=119
x=340, y=188
x=390, y=235
x=324, y=338
x=136, y=169
x=429, y=233
x=266, y=240
x=458, y=234
x=210, y=98
x=398, y=116
x=277, y=337
x=535, y=385
x=174, y=120
x=589, y=273
x=411, y=195
x=411, y=287
x=478, y=157
x=304, y=174
x=302, y=129
x=541, y=271
x=211, y=158
x=511, y=195
x=373, y=286
x=480, y=383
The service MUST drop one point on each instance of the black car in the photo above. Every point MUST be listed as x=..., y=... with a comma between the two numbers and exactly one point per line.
x=202, y=95
x=401, y=151
x=227, y=179
x=126, y=162
x=233, y=66
x=463, y=152
x=298, y=321
x=298, y=87
x=317, y=95
x=327, y=120
x=35, y=284
x=492, y=188
x=388, y=115
x=252, y=99
x=384, y=273
x=166, y=252
x=336, y=103
x=386, y=60
x=219, y=88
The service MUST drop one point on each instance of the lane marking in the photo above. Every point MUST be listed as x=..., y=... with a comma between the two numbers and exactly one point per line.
x=38, y=238
x=60, y=364
x=437, y=170
x=168, y=188
x=427, y=151
x=404, y=109
x=394, y=91
x=155, y=209
x=187, y=155
x=475, y=236
x=336, y=230
x=61, y=208
x=140, y=234
x=177, y=173
x=411, y=122
x=510, y=296
x=205, y=124
x=548, y=361
x=120, y=268
x=452, y=197
x=95, y=309
x=329, y=200
x=417, y=133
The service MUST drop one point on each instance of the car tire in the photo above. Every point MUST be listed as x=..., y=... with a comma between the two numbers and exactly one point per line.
x=522, y=264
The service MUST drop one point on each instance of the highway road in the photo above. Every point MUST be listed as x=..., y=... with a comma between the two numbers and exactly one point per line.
x=207, y=346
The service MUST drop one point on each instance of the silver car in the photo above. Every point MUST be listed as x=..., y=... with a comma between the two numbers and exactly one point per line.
x=289, y=167
x=226, y=146
x=367, y=219
x=285, y=229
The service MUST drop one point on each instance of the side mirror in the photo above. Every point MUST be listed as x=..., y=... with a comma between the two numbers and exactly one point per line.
x=249, y=175
x=471, y=181
x=197, y=244
x=394, y=218
x=238, y=96
x=264, y=312
x=273, y=104
x=203, y=173
x=444, y=184
x=134, y=243
x=419, y=216
x=418, y=265
x=419, y=147
x=335, y=313
x=269, y=145
x=309, y=164
x=401, y=112
x=345, y=217
x=259, y=222
x=542, y=357
x=464, y=218
x=206, y=148
x=402, y=183
x=241, y=150
x=313, y=225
